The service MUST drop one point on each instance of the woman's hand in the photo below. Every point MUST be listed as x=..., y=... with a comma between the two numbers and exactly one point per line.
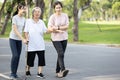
x=25, y=41
x=54, y=28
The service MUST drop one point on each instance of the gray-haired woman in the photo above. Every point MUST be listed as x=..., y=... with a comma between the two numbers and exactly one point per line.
x=34, y=30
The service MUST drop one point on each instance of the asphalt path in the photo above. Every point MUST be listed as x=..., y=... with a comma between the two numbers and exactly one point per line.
x=85, y=62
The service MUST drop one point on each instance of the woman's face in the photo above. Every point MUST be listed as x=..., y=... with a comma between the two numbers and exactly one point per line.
x=22, y=10
x=58, y=8
x=36, y=13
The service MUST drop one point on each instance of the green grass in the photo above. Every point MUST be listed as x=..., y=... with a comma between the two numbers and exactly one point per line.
x=89, y=33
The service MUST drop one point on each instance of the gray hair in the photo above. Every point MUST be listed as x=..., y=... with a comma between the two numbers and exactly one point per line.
x=34, y=9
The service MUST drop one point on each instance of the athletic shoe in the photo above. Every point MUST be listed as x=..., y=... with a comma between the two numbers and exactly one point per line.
x=59, y=75
x=28, y=73
x=65, y=72
x=40, y=75
x=12, y=77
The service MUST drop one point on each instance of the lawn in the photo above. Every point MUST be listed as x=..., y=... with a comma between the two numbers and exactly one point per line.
x=89, y=33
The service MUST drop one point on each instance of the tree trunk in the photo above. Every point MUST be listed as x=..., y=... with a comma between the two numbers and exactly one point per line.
x=80, y=13
x=5, y=23
x=7, y=18
x=50, y=7
x=75, y=27
x=2, y=8
x=41, y=4
x=27, y=2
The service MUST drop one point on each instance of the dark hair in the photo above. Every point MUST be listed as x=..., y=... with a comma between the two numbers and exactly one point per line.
x=20, y=5
x=58, y=2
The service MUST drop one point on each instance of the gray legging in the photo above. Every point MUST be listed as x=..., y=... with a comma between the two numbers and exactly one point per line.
x=60, y=47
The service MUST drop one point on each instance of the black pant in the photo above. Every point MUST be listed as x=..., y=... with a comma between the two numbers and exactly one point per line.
x=60, y=47
x=31, y=57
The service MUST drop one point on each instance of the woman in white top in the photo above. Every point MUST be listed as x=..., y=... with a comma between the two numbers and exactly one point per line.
x=15, y=39
x=34, y=31
x=59, y=21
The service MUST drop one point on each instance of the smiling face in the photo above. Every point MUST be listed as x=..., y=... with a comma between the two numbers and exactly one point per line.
x=21, y=10
x=36, y=12
x=58, y=8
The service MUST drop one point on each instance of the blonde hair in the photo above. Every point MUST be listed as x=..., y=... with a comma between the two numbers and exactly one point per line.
x=34, y=9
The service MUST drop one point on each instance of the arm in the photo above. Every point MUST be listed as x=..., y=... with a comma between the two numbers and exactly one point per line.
x=18, y=34
x=49, y=30
x=26, y=35
x=54, y=30
x=63, y=28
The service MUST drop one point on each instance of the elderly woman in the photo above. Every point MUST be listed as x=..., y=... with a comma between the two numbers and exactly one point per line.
x=34, y=30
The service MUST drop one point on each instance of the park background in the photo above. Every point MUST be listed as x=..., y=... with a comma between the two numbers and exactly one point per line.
x=91, y=21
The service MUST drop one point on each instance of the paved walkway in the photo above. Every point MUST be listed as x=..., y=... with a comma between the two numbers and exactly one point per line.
x=85, y=62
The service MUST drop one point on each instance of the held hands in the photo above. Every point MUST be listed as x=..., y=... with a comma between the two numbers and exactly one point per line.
x=25, y=41
x=54, y=28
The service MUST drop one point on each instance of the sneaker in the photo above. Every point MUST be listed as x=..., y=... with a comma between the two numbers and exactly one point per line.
x=65, y=72
x=40, y=75
x=16, y=76
x=59, y=75
x=28, y=73
x=12, y=77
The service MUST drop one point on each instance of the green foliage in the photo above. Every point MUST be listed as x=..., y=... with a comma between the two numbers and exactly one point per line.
x=107, y=5
x=103, y=10
x=68, y=7
x=8, y=7
x=82, y=3
x=115, y=1
x=116, y=7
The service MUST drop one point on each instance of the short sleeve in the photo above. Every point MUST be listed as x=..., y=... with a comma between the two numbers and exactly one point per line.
x=24, y=22
x=51, y=21
x=26, y=26
x=67, y=20
x=14, y=22
x=44, y=27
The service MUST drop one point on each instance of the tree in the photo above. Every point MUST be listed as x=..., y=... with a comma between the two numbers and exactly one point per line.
x=41, y=4
x=116, y=9
x=28, y=3
x=7, y=17
x=1, y=10
x=77, y=14
x=50, y=7
x=8, y=14
x=75, y=27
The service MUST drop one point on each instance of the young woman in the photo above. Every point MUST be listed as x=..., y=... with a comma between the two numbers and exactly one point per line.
x=34, y=31
x=16, y=39
x=59, y=23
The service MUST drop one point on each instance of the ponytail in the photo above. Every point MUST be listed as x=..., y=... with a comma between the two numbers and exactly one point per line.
x=15, y=13
x=18, y=7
